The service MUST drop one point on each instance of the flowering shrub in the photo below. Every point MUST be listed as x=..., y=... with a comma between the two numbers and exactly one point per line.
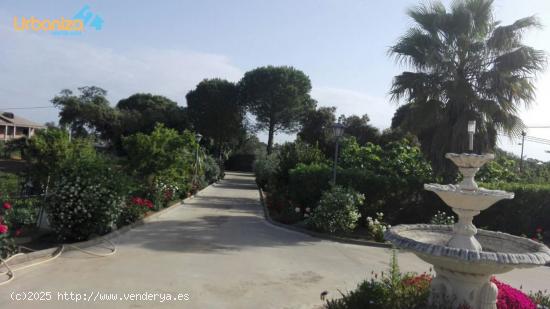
x=338, y=210
x=387, y=290
x=510, y=298
x=7, y=245
x=86, y=199
x=377, y=227
x=395, y=290
x=541, y=298
x=442, y=218
x=165, y=188
x=135, y=210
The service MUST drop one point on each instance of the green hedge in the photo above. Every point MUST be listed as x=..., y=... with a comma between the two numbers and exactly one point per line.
x=401, y=199
x=307, y=183
x=404, y=201
x=529, y=210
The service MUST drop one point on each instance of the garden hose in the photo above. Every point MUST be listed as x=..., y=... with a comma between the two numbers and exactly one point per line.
x=10, y=271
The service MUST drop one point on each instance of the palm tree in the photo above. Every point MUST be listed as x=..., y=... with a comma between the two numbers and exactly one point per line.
x=466, y=66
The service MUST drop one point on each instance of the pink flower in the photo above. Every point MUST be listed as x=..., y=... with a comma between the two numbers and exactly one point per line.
x=510, y=298
x=18, y=232
x=3, y=229
x=6, y=205
x=539, y=230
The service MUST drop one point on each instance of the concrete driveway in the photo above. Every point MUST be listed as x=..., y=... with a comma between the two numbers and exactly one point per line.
x=216, y=251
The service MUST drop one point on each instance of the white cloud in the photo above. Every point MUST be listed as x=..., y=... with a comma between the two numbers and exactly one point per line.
x=36, y=66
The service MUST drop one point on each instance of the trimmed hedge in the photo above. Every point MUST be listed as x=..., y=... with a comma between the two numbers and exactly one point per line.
x=404, y=201
x=401, y=199
x=529, y=210
x=307, y=183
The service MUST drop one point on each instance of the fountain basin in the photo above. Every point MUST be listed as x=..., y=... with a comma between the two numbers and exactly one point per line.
x=469, y=160
x=501, y=252
x=478, y=199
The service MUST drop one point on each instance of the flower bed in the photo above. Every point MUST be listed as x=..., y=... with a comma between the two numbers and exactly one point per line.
x=396, y=290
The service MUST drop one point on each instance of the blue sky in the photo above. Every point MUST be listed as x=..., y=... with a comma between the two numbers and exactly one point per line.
x=167, y=47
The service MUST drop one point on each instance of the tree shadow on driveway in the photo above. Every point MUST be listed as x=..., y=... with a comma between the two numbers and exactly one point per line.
x=213, y=224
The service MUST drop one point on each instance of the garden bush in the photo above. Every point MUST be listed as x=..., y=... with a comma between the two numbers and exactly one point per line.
x=212, y=172
x=85, y=199
x=7, y=231
x=264, y=169
x=134, y=210
x=338, y=211
x=149, y=154
x=392, y=177
x=290, y=155
x=396, y=290
x=522, y=215
x=165, y=159
x=10, y=185
x=48, y=149
x=24, y=212
x=307, y=182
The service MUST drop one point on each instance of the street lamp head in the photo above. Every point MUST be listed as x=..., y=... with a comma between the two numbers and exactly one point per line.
x=472, y=126
x=338, y=130
x=198, y=137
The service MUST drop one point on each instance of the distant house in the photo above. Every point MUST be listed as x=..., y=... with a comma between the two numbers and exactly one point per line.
x=12, y=127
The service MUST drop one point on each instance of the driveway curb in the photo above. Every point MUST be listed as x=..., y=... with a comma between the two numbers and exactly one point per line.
x=339, y=239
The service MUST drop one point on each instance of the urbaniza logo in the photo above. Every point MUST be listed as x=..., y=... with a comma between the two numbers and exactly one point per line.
x=82, y=20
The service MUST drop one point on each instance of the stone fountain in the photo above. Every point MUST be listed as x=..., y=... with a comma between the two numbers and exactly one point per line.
x=465, y=258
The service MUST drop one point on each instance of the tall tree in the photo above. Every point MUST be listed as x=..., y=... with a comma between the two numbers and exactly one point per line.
x=317, y=127
x=466, y=66
x=141, y=112
x=215, y=112
x=278, y=97
x=361, y=129
x=86, y=113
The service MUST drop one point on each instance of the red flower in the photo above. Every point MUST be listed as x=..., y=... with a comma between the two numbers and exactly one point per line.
x=137, y=200
x=420, y=281
x=3, y=229
x=6, y=205
x=539, y=230
x=18, y=232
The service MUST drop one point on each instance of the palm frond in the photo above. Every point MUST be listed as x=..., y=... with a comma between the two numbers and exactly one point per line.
x=505, y=38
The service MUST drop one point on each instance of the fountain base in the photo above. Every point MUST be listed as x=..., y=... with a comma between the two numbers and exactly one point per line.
x=472, y=290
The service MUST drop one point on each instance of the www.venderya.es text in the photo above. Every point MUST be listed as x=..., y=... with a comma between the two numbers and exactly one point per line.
x=97, y=296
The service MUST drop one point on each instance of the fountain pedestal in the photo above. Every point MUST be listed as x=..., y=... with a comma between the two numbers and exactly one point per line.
x=466, y=289
x=464, y=257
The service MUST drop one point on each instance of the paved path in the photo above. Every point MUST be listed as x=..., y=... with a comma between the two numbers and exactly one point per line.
x=219, y=249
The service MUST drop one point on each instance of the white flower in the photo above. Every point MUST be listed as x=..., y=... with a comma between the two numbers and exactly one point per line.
x=308, y=209
x=297, y=209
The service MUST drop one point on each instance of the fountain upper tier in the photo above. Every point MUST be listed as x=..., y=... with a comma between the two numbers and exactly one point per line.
x=457, y=197
x=467, y=195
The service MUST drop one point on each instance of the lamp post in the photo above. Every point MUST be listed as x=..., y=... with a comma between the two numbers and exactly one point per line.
x=523, y=134
x=198, y=138
x=471, y=131
x=337, y=132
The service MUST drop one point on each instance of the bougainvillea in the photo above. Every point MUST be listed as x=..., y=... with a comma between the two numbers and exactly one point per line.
x=510, y=298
